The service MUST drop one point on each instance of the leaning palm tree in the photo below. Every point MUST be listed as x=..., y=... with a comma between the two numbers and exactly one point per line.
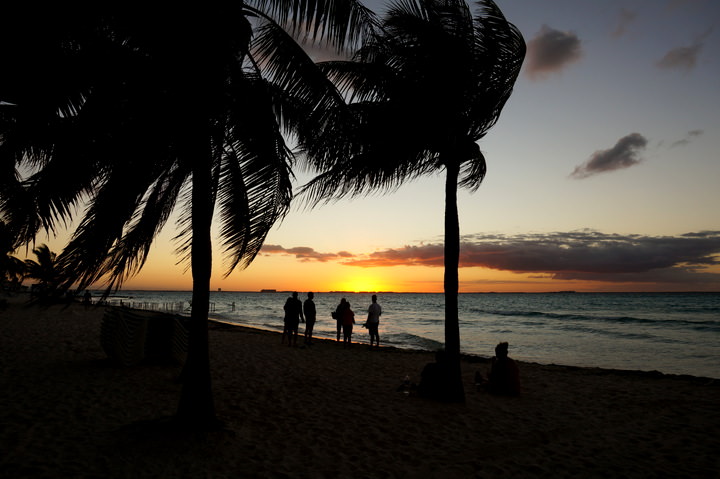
x=424, y=90
x=156, y=112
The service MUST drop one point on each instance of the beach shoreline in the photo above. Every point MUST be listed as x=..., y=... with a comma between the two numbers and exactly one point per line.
x=327, y=411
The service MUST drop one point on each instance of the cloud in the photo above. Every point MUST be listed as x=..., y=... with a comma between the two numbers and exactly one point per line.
x=550, y=51
x=688, y=138
x=580, y=255
x=683, y=58
x=624, y=154
x=585, y=255
x=423, y=255
x=303, y=253
x=680, y=58
x=676, y=4
x=625, y=18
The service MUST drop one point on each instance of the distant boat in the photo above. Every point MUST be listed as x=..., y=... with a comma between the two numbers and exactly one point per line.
x=268, y=291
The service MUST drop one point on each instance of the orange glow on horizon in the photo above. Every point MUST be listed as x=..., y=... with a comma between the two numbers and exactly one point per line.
x=287, y=273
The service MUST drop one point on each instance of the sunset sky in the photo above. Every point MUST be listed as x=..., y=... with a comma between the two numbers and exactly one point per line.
x=603, y=174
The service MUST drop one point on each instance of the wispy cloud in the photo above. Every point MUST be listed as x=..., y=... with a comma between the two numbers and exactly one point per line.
x=688, y=138
x=625, y=18
x=624, y=154
x=550, y=51
x=303, y=253
x=677, y=4
x=577, y=255
x=685, y=57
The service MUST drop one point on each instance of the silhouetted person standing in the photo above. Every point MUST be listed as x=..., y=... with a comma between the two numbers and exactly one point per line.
x=338, y=316
x=87, y=298
x=310, y=316
x=373, y=321
x=348, y=319
x=293, y=316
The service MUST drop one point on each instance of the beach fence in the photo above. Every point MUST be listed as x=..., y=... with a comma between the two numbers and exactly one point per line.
x=175, y=307
x=130, y=336
x=134, y=332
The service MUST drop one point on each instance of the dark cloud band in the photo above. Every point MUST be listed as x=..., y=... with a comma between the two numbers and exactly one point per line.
x=579, y=255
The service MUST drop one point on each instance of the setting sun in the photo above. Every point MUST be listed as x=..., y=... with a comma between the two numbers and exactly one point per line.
x=362, y=283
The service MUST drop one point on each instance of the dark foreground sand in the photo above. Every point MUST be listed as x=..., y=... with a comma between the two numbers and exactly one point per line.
x=67, y=411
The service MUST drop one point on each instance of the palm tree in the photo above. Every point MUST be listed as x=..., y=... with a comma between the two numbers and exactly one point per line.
x=184, y=108
x=46, y=270
x=424, y=90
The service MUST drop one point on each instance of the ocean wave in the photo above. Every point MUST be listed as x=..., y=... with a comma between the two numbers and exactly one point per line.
x=704, y=324
x=411, y=341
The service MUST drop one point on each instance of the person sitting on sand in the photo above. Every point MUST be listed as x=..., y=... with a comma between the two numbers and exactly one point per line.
x=504, y=376
x=435, y=378
x=348, y=319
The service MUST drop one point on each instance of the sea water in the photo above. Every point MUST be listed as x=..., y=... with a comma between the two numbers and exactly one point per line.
x=674, y=333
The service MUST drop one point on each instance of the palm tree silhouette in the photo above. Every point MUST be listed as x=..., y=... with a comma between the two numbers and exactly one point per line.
x=46, y=270
x=424, y=90
x=184, y=107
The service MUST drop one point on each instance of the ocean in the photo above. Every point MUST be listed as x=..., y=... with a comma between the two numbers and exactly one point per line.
x=674, y=333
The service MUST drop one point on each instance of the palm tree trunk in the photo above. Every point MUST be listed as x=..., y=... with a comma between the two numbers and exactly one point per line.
x=452, y=261
x=197, y=408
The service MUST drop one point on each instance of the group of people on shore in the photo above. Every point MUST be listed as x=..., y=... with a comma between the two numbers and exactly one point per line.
x=345, y=318
x=297, y=311
x=503, y=378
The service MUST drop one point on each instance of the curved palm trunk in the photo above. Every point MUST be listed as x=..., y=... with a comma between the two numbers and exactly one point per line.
x=452, y=260
x=197, y=408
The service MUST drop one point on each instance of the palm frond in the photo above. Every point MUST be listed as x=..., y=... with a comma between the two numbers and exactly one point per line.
x=337, y=22
x=500, y=47
x=255, y=193
x=254, y=187
x=127, y=255
x=291, y=71
x=424, y=89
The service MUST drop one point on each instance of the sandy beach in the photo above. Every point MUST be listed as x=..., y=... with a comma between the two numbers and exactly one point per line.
x=325, y=411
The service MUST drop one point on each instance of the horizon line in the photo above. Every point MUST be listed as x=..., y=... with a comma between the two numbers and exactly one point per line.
x=417, y=292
